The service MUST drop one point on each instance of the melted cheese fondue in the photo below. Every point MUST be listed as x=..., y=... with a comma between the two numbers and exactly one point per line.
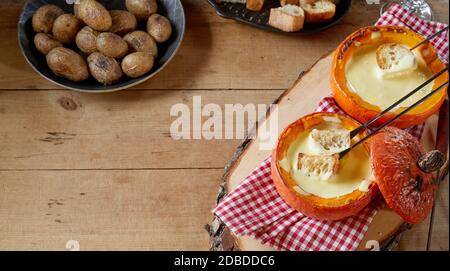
x=365, y=78
x=354, y=172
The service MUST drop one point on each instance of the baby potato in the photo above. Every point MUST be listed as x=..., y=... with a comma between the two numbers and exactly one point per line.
x=142, y=9
x=137, y=64
x=104, y=69
x=94, y=15
x=140, y=41
x=45, y=43
x=123, y=22
x=44, y=17
x=68, y=64
x=159, y=28
x=65, y=28
x=86, y=40
x=112, y=45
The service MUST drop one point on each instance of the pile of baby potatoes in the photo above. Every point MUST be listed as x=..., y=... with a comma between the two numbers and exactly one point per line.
x=109, y=42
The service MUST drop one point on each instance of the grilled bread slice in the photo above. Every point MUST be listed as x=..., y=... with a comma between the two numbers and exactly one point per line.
x=395, y=59
x=288, y=18
x=323, y=166
x=332, y=141
x=318, y=11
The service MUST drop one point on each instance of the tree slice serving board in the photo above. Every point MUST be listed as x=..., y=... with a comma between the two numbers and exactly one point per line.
x=302, y=98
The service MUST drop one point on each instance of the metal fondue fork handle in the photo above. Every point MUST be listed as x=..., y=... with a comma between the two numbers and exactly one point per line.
x=358, y=130
x=344, y=152
x=430, y=37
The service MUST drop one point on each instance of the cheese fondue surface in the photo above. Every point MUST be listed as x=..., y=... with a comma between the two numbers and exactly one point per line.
x=354, y=171
x=371, y=83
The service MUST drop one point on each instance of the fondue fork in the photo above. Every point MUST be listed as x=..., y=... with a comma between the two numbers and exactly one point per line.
x=430, y=38
x=366, y=125
x=344, y=152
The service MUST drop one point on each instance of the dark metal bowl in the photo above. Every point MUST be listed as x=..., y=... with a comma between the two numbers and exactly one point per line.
x=172, y=9
x=260, y=19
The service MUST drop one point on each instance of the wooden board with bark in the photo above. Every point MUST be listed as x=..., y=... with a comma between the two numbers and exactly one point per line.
x=301, y=99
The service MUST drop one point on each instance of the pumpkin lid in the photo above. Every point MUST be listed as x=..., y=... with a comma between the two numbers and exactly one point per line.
x=406, y=188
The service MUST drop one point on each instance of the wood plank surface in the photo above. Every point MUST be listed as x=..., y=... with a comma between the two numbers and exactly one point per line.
x=107, y=209
x=103, y=170
x=128, y=129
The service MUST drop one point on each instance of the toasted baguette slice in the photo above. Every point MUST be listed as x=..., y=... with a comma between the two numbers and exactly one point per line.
x=323, y=166
x=289, y=2
x=332, y=141
x=395, y=59
x=318, y=11
x=288, y=18
x=255, y=5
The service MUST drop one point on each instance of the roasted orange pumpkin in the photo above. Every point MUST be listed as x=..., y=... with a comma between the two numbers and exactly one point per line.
x=362, y=110
x=309, y=204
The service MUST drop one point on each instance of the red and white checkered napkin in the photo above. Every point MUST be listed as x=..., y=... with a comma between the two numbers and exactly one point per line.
x=397, y=15
x=255, y=208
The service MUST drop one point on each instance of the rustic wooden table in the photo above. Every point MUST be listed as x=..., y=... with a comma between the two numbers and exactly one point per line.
x=102, y=169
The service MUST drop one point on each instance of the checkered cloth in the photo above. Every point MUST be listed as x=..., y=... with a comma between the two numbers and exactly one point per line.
x=255, y=208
